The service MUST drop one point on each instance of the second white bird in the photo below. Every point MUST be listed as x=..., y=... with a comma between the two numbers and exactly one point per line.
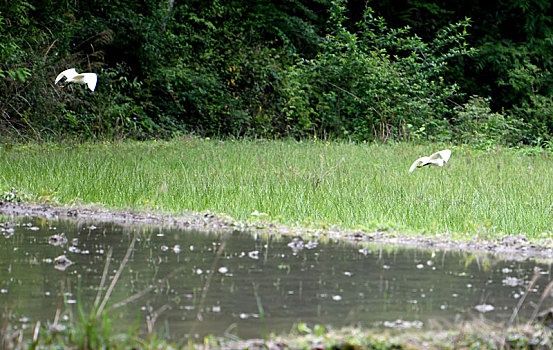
x=439, y=158
x=72, y=76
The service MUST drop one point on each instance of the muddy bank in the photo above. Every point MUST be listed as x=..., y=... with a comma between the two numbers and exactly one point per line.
x=510, y=247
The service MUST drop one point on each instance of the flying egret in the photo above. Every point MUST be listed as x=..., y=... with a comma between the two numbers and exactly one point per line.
x=439, y=158
x=72, y=76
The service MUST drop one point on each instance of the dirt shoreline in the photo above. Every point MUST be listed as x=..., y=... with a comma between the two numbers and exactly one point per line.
x=510, y=247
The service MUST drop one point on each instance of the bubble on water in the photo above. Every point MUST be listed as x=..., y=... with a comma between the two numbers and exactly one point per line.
x=420, y=266
x=223, y=269
x=7, y=233
x=336, y=297
x=386, y=267
x=347, y=273
x=176, y=249
x=216, y=308
x=511, y=281
x=164, y=248
x=403, y=324
x=199, y=271
x=296, y=245
x=484, y=308
x=254, y=254
x=365, y=251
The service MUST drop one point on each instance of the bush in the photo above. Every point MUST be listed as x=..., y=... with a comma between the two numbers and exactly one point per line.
x=476, y=125
x=376, y=84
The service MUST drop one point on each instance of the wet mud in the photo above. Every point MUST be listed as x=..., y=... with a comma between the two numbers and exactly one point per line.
x=509, y=247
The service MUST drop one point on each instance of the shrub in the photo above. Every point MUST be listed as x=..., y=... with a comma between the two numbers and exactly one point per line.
x=376, y=84
x=475, y=124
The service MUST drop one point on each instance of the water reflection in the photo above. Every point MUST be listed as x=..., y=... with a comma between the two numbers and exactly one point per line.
x=186, y=284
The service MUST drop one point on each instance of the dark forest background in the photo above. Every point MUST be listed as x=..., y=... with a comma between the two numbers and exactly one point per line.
x=474, y=72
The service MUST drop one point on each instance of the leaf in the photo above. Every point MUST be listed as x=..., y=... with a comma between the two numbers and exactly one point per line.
x=319, y=330
x=303, y=328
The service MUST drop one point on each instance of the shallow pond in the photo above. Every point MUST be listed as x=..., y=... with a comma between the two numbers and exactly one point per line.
x=187, y=284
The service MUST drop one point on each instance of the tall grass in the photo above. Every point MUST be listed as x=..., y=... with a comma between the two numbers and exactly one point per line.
x=484, y=193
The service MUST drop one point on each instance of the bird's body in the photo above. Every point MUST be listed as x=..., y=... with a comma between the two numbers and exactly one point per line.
x=439, y=159
x=72, y=76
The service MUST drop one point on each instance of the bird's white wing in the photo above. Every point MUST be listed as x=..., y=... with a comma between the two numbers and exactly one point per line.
x=416, y=163
x=90, y=79
x=68, y=73
x=444, y=154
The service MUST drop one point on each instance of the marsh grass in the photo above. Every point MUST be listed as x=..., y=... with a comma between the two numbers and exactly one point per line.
x=479, y=193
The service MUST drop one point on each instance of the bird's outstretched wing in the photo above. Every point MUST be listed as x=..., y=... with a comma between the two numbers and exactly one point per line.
x=416, y=163
x=68, y=73
x=90, y=79
x=444, y=154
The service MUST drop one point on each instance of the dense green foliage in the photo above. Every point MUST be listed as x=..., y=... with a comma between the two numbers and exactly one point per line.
x=404, y=69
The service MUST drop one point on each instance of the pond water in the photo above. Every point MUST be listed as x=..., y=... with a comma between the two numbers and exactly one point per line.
x=187, y=284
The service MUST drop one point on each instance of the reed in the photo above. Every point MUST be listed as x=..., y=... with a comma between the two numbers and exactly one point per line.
x=483, y=194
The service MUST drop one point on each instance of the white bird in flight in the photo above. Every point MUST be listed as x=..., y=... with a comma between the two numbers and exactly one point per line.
x=72, y=76
x=439, y=158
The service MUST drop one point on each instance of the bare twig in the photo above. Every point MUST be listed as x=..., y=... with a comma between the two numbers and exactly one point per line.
x=103, y=280
x=208, y=280
x=357, y=97
x=544, y=295
x=36, y=332
x=144, y=291
x=48, y=50
x=116, y=278
x=517, y=309
x=152, y=320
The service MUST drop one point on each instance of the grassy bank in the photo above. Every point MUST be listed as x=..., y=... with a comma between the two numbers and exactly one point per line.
x=470, y=335
x=315, y=183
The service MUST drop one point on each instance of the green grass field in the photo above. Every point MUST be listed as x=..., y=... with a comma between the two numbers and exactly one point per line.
x=313, y=183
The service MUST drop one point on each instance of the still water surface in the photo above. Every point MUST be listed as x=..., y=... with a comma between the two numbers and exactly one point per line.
x=192, y=283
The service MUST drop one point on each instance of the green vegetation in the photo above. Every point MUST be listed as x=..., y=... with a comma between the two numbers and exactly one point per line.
x=403, y=70
x=483, y=194
x=470, y=336
x=385, y=81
